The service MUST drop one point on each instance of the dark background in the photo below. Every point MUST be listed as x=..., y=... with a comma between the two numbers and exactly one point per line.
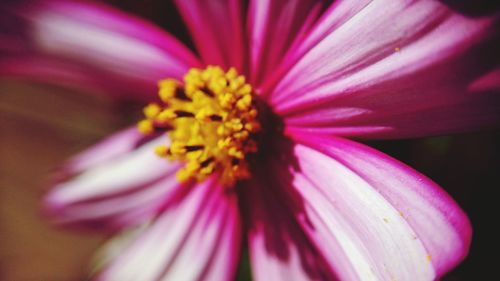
x=40, y=126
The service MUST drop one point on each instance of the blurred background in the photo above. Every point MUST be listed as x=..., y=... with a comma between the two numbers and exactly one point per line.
x=41, y=126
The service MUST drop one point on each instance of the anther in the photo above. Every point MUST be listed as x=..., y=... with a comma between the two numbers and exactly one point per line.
x=206, y=162
x=207, y=92
x=190, y=148
x=182, y=113
x=215, y=117
x=181, y=95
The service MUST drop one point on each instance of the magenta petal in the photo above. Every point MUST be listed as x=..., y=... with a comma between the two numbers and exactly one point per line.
x=116, y=145
x=394, y=70
x=336, y=15
x=391, y=222
x=217, y=30
x=113, y=188
x=279, y=249
x=110, y=44
x=273, y=27
x=45, y=69
x=196, y=238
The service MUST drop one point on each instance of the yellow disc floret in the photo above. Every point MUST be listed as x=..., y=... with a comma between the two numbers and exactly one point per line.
x=211, y=119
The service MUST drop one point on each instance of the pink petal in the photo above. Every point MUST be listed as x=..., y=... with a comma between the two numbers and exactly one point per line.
x=44, y=69
x=196, y=238
x=392, y=69
x=217, y=30
x=274, y=25
x=279, y=249
x=113, y=188
x=336, y=15
x=107, y=43
x=372, y=217
x=116, y=145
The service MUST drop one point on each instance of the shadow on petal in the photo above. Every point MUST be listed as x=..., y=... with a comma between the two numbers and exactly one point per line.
x=473, y=8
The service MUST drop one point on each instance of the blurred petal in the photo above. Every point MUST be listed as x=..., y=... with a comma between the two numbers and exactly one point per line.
x=393, y=69
x=113, y=248
x=273, y=27
x=121, y=50
x=217, y=30
x=116, y=145
x=116, y=188
x=374, y=218
x=196, y=238
x=41, y=68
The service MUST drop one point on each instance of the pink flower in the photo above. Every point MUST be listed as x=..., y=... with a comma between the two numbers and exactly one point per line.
x=317, y=206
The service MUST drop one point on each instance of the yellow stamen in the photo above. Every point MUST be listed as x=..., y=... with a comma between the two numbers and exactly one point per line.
x=161, y=151
x=152, y=110
x=213, y=123
x=145, y=127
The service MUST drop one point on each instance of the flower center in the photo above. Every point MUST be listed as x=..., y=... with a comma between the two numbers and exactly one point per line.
x=211, y=120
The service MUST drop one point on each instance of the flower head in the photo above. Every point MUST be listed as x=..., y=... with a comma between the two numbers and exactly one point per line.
x=256, y=127
x=212, y=123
